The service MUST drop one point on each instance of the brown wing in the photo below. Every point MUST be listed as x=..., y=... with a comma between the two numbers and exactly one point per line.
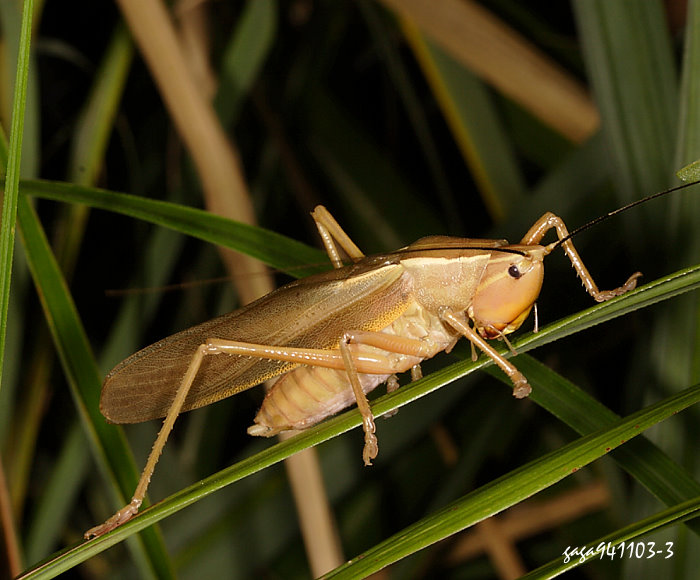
x=309, y=313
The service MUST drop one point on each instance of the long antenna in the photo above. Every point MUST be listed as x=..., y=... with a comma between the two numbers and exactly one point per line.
x=621, y=209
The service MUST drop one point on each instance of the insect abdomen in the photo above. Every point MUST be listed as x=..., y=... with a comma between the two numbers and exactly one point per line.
x=307, y=395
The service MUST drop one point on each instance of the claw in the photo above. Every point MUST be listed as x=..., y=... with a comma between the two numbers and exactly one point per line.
x=371, y=448
x=121, y=517
x=521, y=388
x=631, y=284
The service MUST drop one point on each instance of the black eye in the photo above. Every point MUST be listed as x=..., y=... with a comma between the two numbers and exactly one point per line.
x=513, y=272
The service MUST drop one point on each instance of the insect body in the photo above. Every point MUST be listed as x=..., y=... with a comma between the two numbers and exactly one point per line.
x=329, y=339
x=424, y=286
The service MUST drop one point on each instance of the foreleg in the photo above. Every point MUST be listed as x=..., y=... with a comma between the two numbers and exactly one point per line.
x=549, y=221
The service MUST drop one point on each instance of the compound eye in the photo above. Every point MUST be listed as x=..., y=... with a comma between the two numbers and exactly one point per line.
x=514, y=272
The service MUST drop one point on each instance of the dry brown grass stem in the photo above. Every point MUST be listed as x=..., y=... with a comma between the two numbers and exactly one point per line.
x=528, y=519
x=506, y=60
x=226, y=193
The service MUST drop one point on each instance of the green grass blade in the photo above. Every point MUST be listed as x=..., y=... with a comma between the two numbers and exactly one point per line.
x=641, y=458
x=582, y=171
x=678, y=329
x=96, y=122
x=80, y=368
x=328, y=104
x=398, y=69
x=688, y=145
x=92, y=134
x=653, y=292
x=512, y=487
x=53, y=508
x=9, y=208
x=369, y=186
x=244, y=56
x=274, y=249
x=3, y=153
x=630, y=63
x=674, y=515
x=652, y=129
x=473, y=120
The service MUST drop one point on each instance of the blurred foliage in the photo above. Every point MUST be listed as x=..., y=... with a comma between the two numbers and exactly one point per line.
x=405, y=119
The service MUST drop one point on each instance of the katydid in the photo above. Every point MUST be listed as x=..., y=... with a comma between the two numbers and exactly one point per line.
x=329, y=339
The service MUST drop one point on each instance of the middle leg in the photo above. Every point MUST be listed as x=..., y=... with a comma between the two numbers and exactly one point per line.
x=380, y=360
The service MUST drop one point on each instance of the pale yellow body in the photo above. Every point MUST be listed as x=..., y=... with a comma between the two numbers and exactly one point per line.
x=309, y=394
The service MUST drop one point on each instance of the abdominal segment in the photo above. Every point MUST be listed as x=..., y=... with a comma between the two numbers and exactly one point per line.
x=308, y=394
x=305, y=396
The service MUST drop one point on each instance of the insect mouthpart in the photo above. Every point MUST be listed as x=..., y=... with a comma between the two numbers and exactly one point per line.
x=492, y=331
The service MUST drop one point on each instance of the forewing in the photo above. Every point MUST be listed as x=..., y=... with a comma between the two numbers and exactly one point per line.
x=310, y=313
